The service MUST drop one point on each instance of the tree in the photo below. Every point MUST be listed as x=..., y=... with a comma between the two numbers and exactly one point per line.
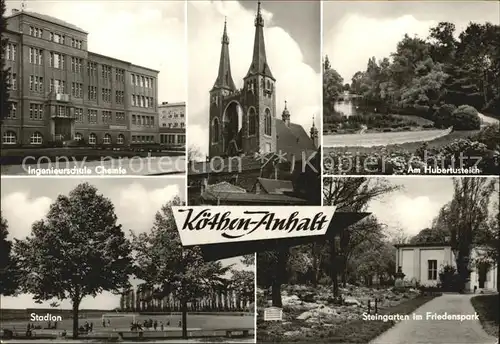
x=351, y=195
x=431, y=235
x=332, y=89
x=78, y=250
x=248, y=259
x=8, y=266
x=168, y=267
x=467, y=217
x=243, y=282
x=4, y=71
x=194, y=153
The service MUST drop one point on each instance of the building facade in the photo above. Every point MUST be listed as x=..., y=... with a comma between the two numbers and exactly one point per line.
x=421, y=263
x=60, y=91
x=172, y=123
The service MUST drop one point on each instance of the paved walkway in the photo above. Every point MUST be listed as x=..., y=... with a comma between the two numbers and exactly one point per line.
x=439, y=331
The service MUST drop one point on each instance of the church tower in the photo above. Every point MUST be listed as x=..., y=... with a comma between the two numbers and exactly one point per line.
x=259, y=112
x=314, y=132
x=223, y=86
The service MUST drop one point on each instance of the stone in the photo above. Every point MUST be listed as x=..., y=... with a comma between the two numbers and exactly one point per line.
x=352, y=301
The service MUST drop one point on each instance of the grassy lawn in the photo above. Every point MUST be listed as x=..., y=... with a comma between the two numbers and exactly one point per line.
x=411, y=146
x=339, y=331
x=486, y=307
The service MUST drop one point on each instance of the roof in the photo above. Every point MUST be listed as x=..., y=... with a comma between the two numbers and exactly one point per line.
x=293, y=140
x=49, y=19
x=234, y=164
x=243, y=198
x=225, y=187
x=427, y=244
x=275, y=186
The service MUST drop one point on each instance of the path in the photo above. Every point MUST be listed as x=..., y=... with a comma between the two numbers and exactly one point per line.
x=382, y=139
x=439, y=331
x=486, y=120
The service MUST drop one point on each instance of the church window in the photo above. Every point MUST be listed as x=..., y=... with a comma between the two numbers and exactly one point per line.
x=267, y=122
x=268, y=85
x=216, y=130
x=252, y=122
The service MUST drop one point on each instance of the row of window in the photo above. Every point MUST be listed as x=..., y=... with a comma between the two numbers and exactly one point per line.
x=142, y=81
x=54, y=37
x=172, y=139
x=143, y=139
x=106, y=116
x=142, y=101
x=36, y=56
x=173, y=125
x=36, y=32
x=252, y=125
x=76, y=43
x=146, y=121
x=77, y=89
x=10, y=138
x=76, y=65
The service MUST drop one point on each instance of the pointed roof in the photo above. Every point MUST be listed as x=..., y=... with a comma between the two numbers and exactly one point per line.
x=224, y=77
x=259, y=59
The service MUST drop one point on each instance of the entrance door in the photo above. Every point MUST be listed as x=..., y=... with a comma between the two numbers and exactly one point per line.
x=482, y=274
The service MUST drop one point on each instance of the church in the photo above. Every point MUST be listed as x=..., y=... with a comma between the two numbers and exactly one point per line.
x=254, y=156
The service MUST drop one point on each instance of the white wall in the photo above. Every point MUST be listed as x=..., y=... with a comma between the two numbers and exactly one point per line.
x=413, y=262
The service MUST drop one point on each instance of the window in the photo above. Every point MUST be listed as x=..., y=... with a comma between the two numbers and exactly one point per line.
x=13, y=81
x=79, y=115
x=11, y=51
x=78, y=136
x=9, y=138
x=36, y=56
x=120, y=139
x=106, y=95
x=120, y=117
x=133, y=79
x=36, y=83
x=106, y=139
x=106, y=117
x=267, y=122
x=134, y=100
x=76, y=65
x=92, y=139
x=13, y=111
x=92, y=69
x=77, y=89
x=58, y=86
x=92, y=92
x=106, y=72
x=252, y=121
x=36, y=138
x=36, y=111
x=92, y=116
x=181, y=139
x=119, y=97
x=57, y=60
x=120, y=75
x=432, y=270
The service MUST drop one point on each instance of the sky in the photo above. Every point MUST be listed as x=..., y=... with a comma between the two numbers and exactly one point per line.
x=136, y=201
x=147, y=33
x=292, y=37
x=355, y=31
x=415, y=205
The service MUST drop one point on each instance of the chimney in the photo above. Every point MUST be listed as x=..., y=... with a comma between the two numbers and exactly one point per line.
x=286, y=115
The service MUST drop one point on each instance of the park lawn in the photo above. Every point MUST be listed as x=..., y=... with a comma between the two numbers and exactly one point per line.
x=417, y=119
x=410, y=146
x=341, y=331
x=486, y=307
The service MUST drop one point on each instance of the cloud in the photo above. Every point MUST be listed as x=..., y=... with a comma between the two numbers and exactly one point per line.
x=356, y=38
x=136, y=206
x=412, y=214
x=149, y=34
x=296, y=81
x=21, y=212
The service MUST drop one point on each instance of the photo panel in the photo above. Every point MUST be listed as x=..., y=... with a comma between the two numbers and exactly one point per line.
x=411, y=88
x=421, y=265
x=102, y=259
x=94, y=88
x=254, y=95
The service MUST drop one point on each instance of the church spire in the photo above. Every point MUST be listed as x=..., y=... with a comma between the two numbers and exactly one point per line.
x=259, y=60
x=224, y=77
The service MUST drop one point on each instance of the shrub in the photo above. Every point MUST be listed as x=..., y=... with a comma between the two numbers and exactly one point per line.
x=465, y=118
x=449, y=279
x=443, y=116
x=490, y=136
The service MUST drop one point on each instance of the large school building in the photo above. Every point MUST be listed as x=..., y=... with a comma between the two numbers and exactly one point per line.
x=59, y=91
